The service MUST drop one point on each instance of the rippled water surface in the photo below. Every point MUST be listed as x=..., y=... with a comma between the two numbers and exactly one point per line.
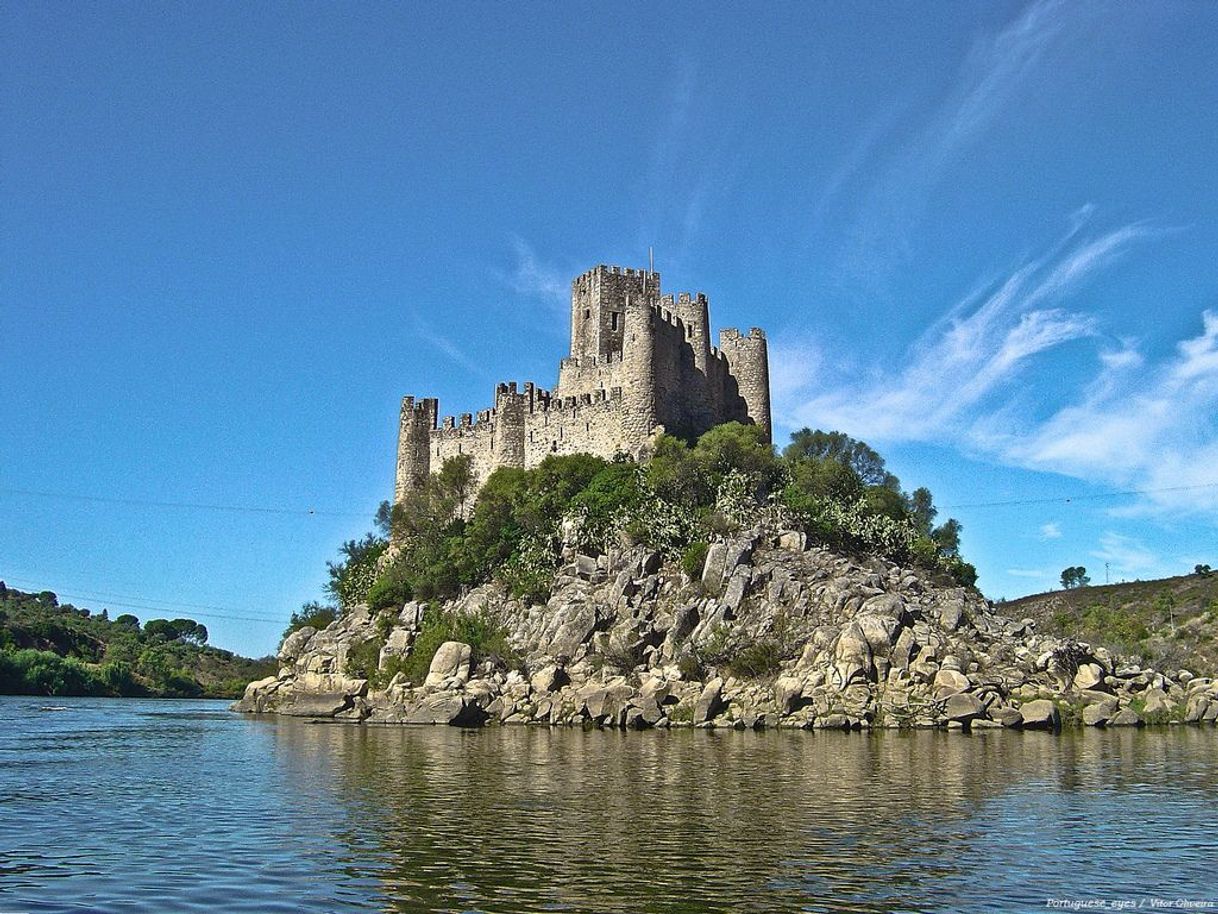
x=156, y=806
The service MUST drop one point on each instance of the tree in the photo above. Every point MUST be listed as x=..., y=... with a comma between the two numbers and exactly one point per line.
x=191, y=631
x=825, y=478
x=1203, y=570
x=187, y=630
x=947, y=537
x=128, y=620
x=1075, y=576
x=313, y=614
x=457, y=481
x=922, y=511
x=351, y=577
x=161, y=628
x=839, y=446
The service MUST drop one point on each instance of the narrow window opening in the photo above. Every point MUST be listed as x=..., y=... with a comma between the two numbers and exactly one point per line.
x=613, y=320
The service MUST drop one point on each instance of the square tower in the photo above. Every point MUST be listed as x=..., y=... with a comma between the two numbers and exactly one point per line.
x=598, y=309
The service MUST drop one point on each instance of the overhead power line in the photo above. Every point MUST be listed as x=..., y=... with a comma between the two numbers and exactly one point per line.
x=1066, y=499
x=194, y=506
x=143, y=603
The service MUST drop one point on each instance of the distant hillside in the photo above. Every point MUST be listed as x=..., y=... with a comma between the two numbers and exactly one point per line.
x=48, y=648
x=1171, y=623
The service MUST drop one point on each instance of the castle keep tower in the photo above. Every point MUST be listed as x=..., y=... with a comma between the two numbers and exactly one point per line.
x=640, y=362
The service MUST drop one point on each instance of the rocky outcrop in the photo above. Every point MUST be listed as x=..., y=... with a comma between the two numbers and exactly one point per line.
x=770, y=634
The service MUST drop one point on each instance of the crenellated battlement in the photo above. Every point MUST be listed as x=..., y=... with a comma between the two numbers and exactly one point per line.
x=640, y=360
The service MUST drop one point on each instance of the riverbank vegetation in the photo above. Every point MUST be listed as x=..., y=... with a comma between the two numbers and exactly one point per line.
x=49, y=648
x=835, y=489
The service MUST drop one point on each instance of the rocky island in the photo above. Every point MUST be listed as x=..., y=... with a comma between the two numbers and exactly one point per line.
x=630, y=641
x=629, y=551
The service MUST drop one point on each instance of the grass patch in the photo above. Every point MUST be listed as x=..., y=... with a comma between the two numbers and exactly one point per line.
x=761, y=658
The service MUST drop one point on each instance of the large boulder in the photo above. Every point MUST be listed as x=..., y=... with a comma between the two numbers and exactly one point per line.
x=450, y=662
x=451, y=708
x=1090, y=676
x=295, y=644
x=396, y=646
x=1198, y=705
x=1127, y=717
x=572, y=624
x=1154, y=703
x=258, y=695
x=710, y=702
x=549, y=678
x=603, y=703
x=1041, y=714
x=713, y=567
x=963, y=708
x=852, y=656
x=949, y=682
x=1100, y=713
x=296, y=703
x=788, y=693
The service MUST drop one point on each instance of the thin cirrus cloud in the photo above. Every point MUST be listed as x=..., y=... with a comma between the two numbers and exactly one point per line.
x=535, y=280
x=1133, y=423
x=996, y=76
x=965, y=358
x=1125, y=555
x=1149, y=426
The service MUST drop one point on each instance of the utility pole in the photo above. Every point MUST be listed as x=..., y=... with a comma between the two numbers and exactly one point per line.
x=1106, y=573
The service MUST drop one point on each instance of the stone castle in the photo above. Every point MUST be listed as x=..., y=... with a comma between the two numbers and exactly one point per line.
x=640, y=362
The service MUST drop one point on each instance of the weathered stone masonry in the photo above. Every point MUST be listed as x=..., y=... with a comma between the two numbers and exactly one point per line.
x=640, y=361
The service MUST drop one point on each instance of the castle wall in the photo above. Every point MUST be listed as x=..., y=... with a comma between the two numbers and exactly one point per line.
x=585, y=376
x=588, y=424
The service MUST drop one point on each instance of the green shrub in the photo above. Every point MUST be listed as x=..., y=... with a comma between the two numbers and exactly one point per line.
x=694, y=558
x=119, y=678
x=312, y=614
x=485, y=636
x=691, y=667
x=33, y=672
x=362, y=658
x=392, y=588
x=351, y=577
x=761, y=658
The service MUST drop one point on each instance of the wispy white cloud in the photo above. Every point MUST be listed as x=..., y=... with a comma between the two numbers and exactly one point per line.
x=967, y=358
x=1124, y=358
x=1125, y=555
x=1133, y=422
x=1153, y=429
x=445, y=346
x=1034, y=573
x=1001, y=70
x=539, y=281
x=1051, y=531
x=995, y=69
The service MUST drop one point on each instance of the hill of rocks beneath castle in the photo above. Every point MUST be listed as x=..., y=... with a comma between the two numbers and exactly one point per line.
x=772, y=633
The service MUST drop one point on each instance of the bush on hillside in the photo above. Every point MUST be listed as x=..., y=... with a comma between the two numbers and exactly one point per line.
x=448, y=539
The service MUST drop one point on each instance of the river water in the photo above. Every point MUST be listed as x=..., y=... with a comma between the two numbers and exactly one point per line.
x=166, y=806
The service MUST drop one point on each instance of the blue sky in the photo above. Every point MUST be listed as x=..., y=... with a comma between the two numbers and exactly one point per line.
x=981, y=237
